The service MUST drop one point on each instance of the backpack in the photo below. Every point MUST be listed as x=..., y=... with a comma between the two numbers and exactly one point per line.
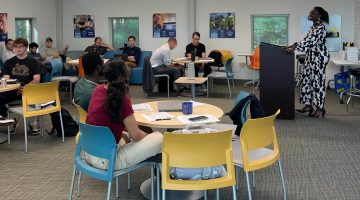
x=71, y=127
x=217, y=56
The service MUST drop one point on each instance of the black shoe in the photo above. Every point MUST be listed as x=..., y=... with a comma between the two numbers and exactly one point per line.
x=318, y=112
x=14, y=126
x=305, y=109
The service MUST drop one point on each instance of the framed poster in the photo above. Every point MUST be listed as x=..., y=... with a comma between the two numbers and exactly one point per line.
x=84, y=26
x=164, y=25
x=222, y=25
x=333, y=35
x=3, y=27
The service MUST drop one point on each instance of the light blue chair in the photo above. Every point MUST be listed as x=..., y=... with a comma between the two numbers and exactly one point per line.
x=136, y=73
x=228, y=74
x=110, y=54
x=100, y=142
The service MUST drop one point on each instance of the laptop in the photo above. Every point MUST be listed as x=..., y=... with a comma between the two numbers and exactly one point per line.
x=123, y=57
x=170, y=106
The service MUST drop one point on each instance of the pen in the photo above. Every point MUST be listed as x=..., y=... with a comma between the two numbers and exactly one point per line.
x=163, y=119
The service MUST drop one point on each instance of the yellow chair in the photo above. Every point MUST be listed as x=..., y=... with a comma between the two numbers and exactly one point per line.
x=197, y=151
x=251, y=152
x=225, y=55
x=82, y=118
x=35, y=94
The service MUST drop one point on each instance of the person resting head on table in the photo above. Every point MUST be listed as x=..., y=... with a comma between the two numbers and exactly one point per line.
x=111, y=107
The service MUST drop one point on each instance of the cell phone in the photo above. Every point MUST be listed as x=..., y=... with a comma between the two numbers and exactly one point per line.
x=199, y=118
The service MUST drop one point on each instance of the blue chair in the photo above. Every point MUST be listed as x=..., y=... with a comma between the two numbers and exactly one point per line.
x=110, y=54
x=100, y=142
x=229, y=75
x=136, y=73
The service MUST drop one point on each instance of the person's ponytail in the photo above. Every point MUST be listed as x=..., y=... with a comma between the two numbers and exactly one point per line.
x=324, y=15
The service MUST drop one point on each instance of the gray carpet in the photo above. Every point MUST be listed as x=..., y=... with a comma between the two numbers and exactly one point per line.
x=320, y=158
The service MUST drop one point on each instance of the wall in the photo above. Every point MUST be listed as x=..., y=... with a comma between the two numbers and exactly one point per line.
x=41, y=10
x=357, y=23
x=245, y=8
x=143, y=9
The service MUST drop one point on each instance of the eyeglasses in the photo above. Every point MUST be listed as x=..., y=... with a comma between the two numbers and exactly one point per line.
x=19, y=46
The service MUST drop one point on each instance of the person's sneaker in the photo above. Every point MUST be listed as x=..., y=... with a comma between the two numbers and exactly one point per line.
x=6, y=122
x=34, y=130
x=14, y=126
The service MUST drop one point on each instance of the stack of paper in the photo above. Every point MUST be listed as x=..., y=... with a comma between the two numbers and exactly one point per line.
x=185, y=119
x=158, y=116
x=141, y=107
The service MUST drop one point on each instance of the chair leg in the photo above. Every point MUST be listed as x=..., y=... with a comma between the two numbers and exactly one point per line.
x=117, y=186
x=70, y=83
x=158, y=181
x=205, y=195
x=25, y=129
x=41, y=125
x=217, y=194
x=8, y=116
x=72, y=183
x=109, y=190
x=79, y=183
x=229, y=87
x=282, y=179
x=62, y=126
x=253, y=177
x=152, y=182
x=248, y=185
x=168, y=86
x=233, y=84
x=234, y=192
x=129, y=181
x=163, y=194
x=237, y=177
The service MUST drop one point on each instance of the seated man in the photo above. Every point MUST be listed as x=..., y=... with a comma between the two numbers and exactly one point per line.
x=49, y=52
x=45, y=69
x=133, y=52
x=198, y=49
x=161, y=63
x=99, y=46
x=93, y=67
x=21, y=67
x=9, y=50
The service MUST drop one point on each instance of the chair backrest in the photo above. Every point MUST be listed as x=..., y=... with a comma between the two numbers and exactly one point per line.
x=110, y=54
x=259, y=133
x=228, y=69
x=255, y=59
x=225, y=55
x=38, y=94
x=100, y=142
x=82, y=113
x=57, y=68
x=241, y=96
x=81, y=67
x=143, y=54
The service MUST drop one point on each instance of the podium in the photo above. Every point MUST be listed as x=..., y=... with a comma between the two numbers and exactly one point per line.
x=277, y=85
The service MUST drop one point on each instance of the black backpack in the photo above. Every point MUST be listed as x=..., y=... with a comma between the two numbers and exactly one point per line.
x=71, y=127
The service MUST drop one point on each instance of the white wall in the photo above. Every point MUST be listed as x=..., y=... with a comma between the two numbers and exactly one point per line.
x=143, y=9
x=245, y=8
x=43, y=11
x=357, y=23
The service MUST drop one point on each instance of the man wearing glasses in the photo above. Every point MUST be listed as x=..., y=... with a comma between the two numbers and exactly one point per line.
x=22, y=67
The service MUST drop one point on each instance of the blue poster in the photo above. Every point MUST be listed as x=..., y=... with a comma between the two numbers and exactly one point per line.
x=84, y=26
x=164, y=25
x=222, y=25
x=3, y=27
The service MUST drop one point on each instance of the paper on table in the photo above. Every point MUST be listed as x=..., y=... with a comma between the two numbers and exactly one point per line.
x=141, y=107
x=185, y=119
x=158, y=116
x=181, y=59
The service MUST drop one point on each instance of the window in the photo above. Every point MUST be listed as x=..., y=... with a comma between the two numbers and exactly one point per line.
x=122, y=28
x=269, y=28
x=24, y=29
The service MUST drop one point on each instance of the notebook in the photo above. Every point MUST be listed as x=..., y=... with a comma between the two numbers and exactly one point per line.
x=170, y=106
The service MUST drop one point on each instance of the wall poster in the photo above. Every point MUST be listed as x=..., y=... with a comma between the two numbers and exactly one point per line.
x=164, y=25
x=222, y=25
x=3, y=27
x=84, y=26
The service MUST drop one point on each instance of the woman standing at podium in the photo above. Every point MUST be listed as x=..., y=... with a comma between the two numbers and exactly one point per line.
x=312, y=89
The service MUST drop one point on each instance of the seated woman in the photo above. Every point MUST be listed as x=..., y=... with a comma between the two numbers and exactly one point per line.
x=111, y=107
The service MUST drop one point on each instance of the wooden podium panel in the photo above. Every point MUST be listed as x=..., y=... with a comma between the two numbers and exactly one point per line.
x=277, y=85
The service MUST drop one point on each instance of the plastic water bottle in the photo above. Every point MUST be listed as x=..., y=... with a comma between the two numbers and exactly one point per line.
x=3, y=82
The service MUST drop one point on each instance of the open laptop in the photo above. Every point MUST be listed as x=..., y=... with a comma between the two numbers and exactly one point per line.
x=170, y=106
x=123, y=57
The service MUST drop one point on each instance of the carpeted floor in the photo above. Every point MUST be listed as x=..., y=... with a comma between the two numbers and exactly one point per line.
x=320, y=158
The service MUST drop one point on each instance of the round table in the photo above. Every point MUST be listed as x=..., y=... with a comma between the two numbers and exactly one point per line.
x=203, y=109
x=9, y=87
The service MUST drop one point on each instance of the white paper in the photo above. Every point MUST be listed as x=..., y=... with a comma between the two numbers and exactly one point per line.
x=158, y=116
x=141, y=107
x=185, y=119
x=181, y=59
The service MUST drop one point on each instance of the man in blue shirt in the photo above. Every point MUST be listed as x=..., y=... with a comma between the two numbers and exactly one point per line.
x=133, y=52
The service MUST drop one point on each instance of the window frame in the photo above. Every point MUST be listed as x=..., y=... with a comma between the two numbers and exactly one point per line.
x=111, y=20
x=31, y=37
x=269, y=15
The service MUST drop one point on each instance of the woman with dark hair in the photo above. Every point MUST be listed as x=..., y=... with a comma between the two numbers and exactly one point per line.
x=111, y=107
x=312, y=89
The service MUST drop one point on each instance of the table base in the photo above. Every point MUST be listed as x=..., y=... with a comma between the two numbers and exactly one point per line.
x=145, y=189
